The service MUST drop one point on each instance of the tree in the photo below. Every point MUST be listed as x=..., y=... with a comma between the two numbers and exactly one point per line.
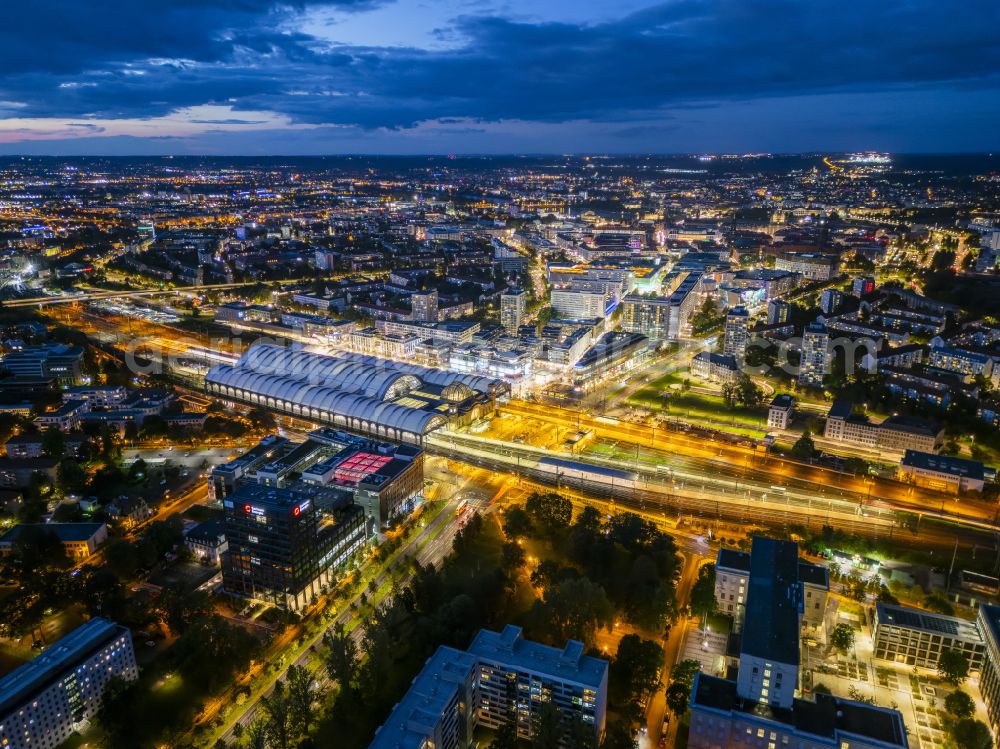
x=619, y=735
x=743, y=392
x=703, y=600
x=804, y=447
x=116, y=713
x=572, y=610
x=953, y=665
x=547, y=731
x=971, y=734
x=517, y=523
x=551, y=512
x=511, y=557
x=681, y=681
x=262, y=420
x=53, y=443
x=505, y=736
x=257, y=734
x=70, y=476
x=121, y=557
x=341, y=657
x=635, y=670
x=678, y=698
x=300, y=697
x=842, y=637
x=960, y=704
x=278, y=714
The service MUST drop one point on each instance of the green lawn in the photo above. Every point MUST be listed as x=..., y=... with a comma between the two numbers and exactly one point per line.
x=699, y=408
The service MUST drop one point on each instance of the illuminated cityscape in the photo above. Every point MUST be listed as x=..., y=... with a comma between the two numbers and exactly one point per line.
x=436, y=376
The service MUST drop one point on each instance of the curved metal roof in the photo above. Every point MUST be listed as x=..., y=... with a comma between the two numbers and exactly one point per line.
x=375, y=380
x=329, y=399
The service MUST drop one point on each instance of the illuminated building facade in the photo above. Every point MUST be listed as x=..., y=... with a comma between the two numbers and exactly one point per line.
x=285, y=544
x=501, y=678
x=44, y=701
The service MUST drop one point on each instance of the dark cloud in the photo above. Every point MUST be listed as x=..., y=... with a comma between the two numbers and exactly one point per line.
x=116, y=58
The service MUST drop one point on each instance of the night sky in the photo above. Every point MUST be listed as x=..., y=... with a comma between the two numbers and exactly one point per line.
x=493, y=76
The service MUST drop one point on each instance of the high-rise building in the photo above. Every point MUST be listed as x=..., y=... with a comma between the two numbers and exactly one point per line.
x=512, y=305
x=862, y=286
x=830, y=301
x=283, y=545
x=648, y=315
x=579, y=305
x=778, y=312
x=424, y=306
x=736, y=335
x=760, y=707
x=769, y=649
x=46, y=699
x=501, y=678
x=815, y=362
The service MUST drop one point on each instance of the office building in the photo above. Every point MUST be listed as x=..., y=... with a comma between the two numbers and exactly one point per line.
x=398, y=346
x=732, y=577
x=736, y=335
x=512, y=306
x=648, y=315
x=916, y=638
x=424, y=306
x=685, y=295
x=453, y=331
x=51, y=360
x=943, y=472
x=780, y=412
x=814, y=364
x=500, y=678
x=769, y=647
x=612, y=355
x=896, y=434
x=778, y=312
x=48, y=698
x=284, y=544
x=715, y=367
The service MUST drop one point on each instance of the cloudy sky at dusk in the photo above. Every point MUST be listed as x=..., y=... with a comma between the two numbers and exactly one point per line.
x=497, y=76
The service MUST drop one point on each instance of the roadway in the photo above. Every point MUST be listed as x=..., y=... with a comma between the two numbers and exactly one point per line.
x=430, y=546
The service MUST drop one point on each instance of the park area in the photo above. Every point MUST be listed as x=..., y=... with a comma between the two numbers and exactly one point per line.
x=676, y=396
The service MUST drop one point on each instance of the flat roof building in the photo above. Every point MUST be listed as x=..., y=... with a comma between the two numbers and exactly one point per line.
x=500, y=677
x=916, y=638
x=283, y=545
x=943, y=472
x=722, y=717
x=759, y=707
x=49, y=697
